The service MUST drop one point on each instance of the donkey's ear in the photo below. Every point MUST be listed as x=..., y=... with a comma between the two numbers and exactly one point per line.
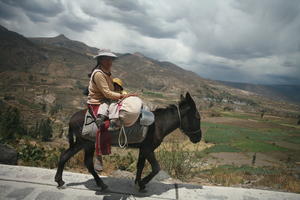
x=190, y=99
x=182, y=98
x=188, y=96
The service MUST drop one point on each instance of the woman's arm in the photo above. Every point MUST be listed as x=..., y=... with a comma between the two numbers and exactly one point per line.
x=102, y=85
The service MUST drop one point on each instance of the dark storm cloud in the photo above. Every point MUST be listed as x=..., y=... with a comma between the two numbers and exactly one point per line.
x=76, y=24
x=280, y=20
x=127, y=5
x=46, y=11
x=148, y=27
x=242, y=52
x=47, y=8
x=278, y=11
x=251, y=29
x=288, y=63
x=34, y=17
x=227, y=73
x=134, y=17
x=222, y=72
x=6, y=11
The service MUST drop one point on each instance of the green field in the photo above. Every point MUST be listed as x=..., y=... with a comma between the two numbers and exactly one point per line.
x=228, y=138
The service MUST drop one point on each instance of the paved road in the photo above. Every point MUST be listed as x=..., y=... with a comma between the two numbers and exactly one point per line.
x=30, y=183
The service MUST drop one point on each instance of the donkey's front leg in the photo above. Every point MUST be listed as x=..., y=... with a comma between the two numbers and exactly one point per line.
x=155, y=168
x=88, y=161
x=140, y=167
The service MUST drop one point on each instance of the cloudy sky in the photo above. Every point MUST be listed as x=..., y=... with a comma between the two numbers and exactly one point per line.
x=254, y=41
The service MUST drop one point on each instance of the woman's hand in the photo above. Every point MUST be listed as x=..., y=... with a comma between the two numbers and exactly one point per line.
x=123, y=96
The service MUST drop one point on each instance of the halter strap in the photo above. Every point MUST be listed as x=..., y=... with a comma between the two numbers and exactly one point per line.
x=179, y=116
x=180, y=127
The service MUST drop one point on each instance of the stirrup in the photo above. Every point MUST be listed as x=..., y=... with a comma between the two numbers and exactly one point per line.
x=100, y=120
x=114, y=125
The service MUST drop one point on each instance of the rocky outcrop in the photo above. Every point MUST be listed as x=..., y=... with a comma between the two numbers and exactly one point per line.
x=8, y=155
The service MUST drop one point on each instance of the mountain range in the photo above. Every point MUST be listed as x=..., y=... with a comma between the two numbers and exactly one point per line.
x=45, y=77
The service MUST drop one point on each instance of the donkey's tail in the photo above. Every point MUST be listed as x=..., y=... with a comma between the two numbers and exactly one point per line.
x=71, y=137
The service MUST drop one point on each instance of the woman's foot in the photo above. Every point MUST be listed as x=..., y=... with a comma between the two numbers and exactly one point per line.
x=114, y=125
x=98, y=164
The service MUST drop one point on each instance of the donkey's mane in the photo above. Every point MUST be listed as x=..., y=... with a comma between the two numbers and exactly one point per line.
x=159, y=111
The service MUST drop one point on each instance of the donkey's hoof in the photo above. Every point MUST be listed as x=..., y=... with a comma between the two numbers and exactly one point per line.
x=61, y=187
x=104, y=187
x=143, y=190
x=60, y=184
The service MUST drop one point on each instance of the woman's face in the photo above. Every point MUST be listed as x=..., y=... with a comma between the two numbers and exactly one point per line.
x=106, y=63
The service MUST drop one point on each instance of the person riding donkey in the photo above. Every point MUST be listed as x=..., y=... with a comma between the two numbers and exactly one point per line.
x=118, y=87
x=101, y=92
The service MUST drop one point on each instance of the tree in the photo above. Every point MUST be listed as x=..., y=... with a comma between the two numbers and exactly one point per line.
x=45, y=129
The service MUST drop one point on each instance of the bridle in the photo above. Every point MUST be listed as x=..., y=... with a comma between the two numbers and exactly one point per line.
x=180, y=127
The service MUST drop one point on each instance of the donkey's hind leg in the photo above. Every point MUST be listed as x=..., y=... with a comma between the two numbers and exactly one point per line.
x=140, y=167
x=65, y=156
x=155, y=169
x=88, y=161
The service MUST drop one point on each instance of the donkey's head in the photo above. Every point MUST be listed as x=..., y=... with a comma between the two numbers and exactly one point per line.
x=189, y=118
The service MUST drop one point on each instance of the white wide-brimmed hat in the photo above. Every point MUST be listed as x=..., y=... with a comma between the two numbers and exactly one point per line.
x=105, y=52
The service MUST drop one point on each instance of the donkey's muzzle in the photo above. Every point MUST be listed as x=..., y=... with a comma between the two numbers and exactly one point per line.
x=195, y=138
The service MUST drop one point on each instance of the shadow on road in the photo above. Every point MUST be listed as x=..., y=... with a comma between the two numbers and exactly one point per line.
x=124, y=188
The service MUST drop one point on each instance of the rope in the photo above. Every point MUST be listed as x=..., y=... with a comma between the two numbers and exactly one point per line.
x=122, y=131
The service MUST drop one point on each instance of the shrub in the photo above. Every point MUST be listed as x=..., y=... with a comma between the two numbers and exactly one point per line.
x=214, y=114
x=11, y=124
x=176, y=160
x=42, y=130
x=228, y=108
x=122, y=162
x=31, y=154
x=35, y=155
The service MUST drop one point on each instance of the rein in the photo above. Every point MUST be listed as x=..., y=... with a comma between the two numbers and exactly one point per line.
x=180, y=127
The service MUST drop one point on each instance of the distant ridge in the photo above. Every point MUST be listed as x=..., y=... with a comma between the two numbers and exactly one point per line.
x=289, y=93
x=17, y=52
x=61, y=37
x=62, y=41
